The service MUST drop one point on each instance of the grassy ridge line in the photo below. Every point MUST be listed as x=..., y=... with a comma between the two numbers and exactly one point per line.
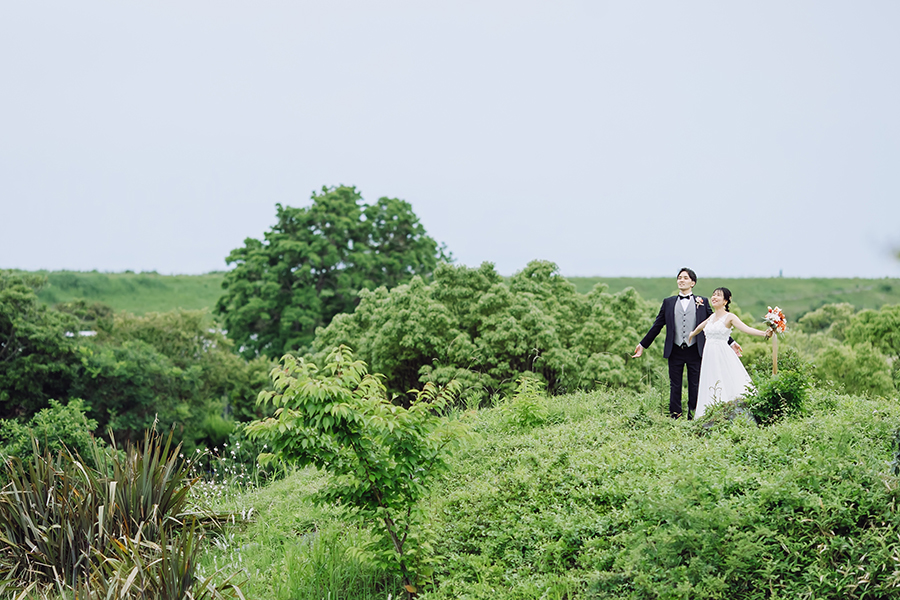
x=140, y=293
x=751, y=296
x=137, y=293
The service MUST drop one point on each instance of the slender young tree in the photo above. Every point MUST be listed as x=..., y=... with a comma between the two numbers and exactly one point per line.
x=382, y=458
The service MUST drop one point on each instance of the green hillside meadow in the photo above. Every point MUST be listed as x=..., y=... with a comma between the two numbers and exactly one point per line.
x=137, y=293
x=598, y=495
x=588, y=495
x=752, y=296
x=141, y=293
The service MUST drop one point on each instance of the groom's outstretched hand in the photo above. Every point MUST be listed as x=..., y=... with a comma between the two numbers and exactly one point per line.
x=737, y=349
x=640, y=350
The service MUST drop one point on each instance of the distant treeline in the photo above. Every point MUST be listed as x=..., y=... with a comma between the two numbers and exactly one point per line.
x=141, y=293
x=193, y=351
x=471, y=325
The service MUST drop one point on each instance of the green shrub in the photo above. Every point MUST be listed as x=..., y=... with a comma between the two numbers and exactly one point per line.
x=858, y=369
x=216, y=429
x=37, y=357
x=778, y=396
x=473, y=325
x=880, y=327
x=94, y=316
x=170, y=368
x=527, y=408
x=832, y=319
x=789, y=359
x=53, y=429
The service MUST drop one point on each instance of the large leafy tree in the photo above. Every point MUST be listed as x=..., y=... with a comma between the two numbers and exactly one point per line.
x=312, y=263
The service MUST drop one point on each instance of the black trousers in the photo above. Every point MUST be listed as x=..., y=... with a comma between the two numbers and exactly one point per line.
x=679, y=359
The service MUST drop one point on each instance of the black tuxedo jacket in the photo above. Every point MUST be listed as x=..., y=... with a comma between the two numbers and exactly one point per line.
x=666, y=317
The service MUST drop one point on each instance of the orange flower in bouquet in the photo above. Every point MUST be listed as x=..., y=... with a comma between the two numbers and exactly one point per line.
x=775, y=319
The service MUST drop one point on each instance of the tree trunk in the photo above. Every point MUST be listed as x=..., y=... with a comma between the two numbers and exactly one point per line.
x=398, y=547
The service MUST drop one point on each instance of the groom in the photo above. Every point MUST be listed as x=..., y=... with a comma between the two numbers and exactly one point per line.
x=681, y=314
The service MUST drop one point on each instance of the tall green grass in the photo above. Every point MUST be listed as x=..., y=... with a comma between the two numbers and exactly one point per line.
x=605, y=497
x=291, y=548
x=617, y=501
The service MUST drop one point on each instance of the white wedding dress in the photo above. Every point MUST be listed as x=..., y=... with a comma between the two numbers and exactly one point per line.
x=722, y=375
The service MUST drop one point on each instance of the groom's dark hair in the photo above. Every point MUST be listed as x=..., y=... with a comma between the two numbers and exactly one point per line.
x=690, y=273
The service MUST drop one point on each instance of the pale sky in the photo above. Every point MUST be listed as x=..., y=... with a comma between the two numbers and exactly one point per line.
x=613, y=138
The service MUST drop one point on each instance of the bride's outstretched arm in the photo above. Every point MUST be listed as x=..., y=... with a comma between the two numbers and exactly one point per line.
x=736, y=322
x=699, y=328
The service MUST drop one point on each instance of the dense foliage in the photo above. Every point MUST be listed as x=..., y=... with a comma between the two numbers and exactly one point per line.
x=599, y=495
x=562, y=495
x=582, y=495
x=858, y=351
x=170, y=368
x=612, y=502
x=476, y=327
x=311, y=264
x=37, y=357
x=382, y=457
x=468, y=324
x=127, y=372
x=52, y=429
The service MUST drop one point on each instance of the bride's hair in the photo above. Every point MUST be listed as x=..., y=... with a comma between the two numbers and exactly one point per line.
x=726, y=293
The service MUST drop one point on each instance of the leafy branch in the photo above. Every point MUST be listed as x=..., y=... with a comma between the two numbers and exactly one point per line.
x=382, y=457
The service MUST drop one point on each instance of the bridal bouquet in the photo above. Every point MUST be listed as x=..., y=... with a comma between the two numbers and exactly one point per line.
x=775, y=319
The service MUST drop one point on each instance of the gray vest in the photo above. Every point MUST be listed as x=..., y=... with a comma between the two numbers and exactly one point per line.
x=685, y=321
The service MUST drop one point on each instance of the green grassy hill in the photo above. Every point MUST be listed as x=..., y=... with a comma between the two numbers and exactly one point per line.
x=752, y=295
x=607, y=498
x=140, y=293
x=137, y=293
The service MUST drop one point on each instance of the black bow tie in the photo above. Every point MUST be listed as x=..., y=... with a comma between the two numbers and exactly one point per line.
x=684, y=297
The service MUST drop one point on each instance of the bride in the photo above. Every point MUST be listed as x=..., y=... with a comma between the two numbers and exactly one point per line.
x=722, y=376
